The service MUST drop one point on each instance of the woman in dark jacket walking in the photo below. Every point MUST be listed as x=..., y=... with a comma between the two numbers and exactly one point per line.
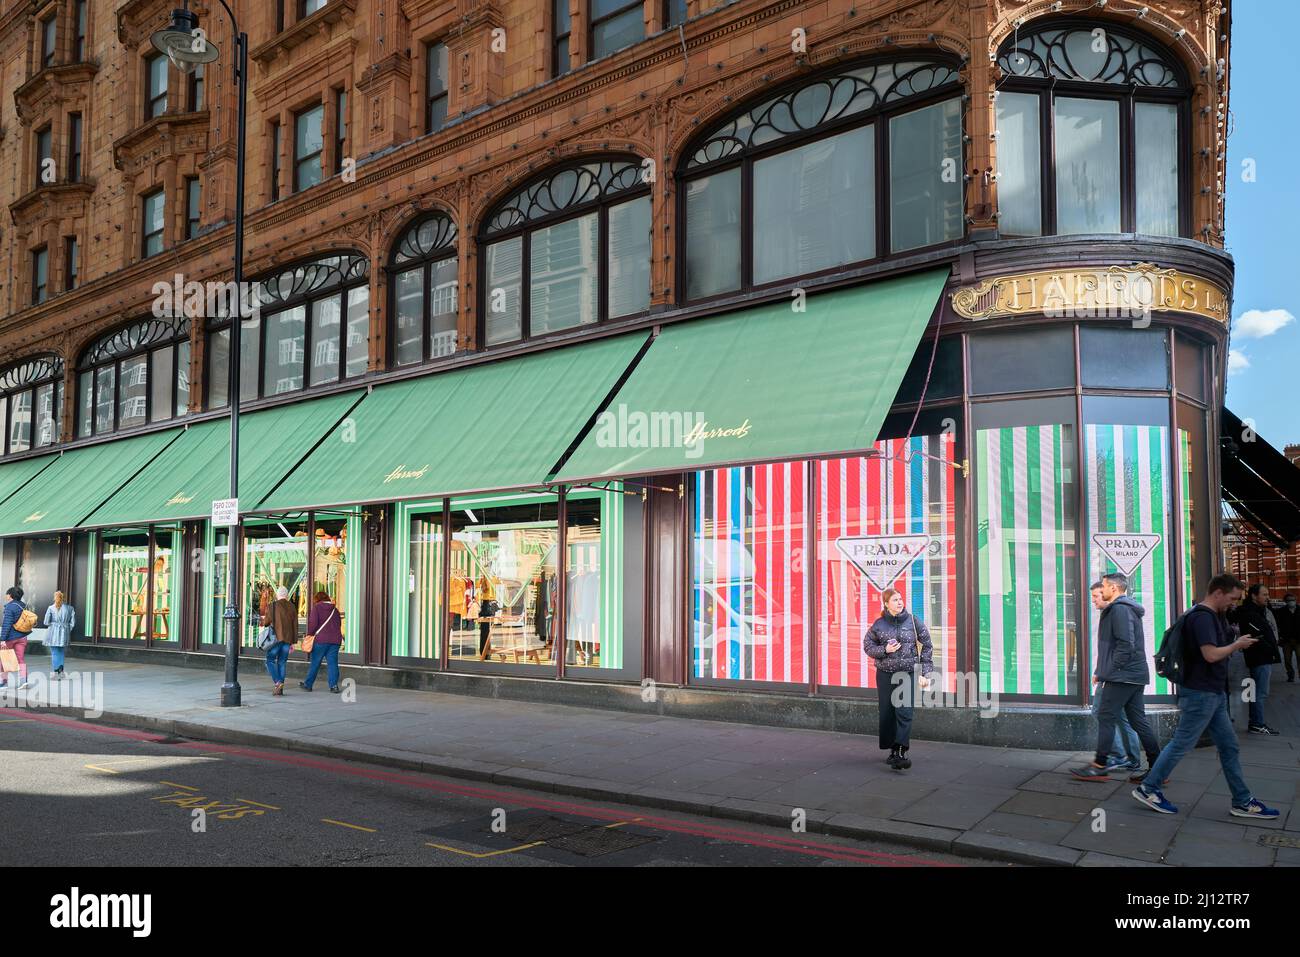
x=893, y=641
x=325, y=626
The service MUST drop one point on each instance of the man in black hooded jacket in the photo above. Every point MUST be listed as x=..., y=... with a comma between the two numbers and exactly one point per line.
x=1121, y=670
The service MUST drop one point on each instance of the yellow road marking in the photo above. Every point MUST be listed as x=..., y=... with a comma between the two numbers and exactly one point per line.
x=355, y=827
x=107, y=770
x=173, y=784
x=457, y=850
x=10, y=720
x=269, y=807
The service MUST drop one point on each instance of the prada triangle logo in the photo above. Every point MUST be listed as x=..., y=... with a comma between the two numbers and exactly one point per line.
x=1126, y=549
x=882, y=558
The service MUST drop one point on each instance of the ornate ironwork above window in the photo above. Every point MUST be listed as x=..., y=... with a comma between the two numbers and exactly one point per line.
x=135, y=337
x=565, y=189
x=1072, y=53
x=310, y=278
x=432, y=234
x=822, y=100
x=30, y=372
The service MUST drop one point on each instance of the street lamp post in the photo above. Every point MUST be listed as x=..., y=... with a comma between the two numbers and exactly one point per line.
x=187, y=47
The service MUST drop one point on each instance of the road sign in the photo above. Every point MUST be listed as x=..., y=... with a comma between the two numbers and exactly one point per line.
x=225, y=511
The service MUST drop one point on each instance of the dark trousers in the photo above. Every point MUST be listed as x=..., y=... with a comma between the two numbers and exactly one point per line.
x=484, y=632
x=1118, y=698
x=1290, y=657
x=896, y=692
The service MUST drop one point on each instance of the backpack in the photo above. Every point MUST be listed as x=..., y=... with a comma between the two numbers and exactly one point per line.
x=1169, y=659
x=26, y=622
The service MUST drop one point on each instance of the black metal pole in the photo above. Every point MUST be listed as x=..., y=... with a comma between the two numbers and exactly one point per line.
x=230, y=690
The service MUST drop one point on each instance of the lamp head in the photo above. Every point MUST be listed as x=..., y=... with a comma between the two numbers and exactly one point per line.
x=183, y=46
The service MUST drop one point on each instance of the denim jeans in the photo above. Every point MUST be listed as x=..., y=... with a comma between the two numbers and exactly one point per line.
x=1199, y=710
x=56, y=657
x=330, y=653
x=1125, y=746
x=895, y=721
x=1262, y=675
x=277, y=656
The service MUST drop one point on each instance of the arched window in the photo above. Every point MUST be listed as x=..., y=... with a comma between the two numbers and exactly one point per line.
x=136, y=375
x=578, y=239
x=311, y=328
x=31, y=404
x=1092, y=133
x=423, y=278
x=833, y=171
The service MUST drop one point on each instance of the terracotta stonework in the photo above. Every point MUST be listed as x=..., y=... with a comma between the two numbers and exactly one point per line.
x=507, y=119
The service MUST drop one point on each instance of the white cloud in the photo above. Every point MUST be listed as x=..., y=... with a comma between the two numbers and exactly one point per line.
x=1258, y=323
x=1237, y=362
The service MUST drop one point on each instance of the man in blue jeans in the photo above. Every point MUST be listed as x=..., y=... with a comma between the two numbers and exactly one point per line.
x=1203, y=703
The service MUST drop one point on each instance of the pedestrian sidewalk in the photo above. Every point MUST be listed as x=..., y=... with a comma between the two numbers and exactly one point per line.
x=1007, y=804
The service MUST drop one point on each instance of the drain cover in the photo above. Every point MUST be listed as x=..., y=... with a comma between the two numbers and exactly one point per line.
x=1279, y=840
x=597, y=841
x=528, y=830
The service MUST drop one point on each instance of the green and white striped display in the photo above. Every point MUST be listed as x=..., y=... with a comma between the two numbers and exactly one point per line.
x=1025, y=545
x=1126, y=489
x=1185, y=494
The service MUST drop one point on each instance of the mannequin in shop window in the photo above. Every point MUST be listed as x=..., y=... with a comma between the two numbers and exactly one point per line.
x=584, y=610
x=544, y=597
x=486, y=594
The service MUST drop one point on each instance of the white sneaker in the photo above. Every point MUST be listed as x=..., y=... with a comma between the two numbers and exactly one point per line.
x=24, y=686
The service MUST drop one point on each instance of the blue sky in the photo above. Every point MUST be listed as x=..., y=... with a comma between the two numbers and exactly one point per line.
x=1263, y=218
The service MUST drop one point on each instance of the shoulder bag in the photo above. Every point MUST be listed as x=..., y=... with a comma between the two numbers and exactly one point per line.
x=309, y=641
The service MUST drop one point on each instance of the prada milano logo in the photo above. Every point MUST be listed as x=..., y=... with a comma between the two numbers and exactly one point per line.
x=882, y=558
x=1126, y=549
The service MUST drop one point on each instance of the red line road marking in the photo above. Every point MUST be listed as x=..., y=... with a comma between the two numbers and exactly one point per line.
x=793, y=845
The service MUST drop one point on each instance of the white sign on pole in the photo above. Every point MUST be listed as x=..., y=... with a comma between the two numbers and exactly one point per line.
x=1126, y=549
x=882, y=558
x=225, y=512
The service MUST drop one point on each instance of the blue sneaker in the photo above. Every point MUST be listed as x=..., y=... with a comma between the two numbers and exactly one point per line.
x=1255, y=809
x=1154, y=799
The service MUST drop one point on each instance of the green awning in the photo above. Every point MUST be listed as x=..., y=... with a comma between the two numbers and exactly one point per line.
x=77, y=483
x=17, y=474
x=182, y=482
x=499, y=425
x=764, y=384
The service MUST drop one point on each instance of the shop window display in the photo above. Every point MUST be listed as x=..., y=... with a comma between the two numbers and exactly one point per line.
x=1027, y=558
x=1127, y=496
x=417, y=628
x=140, y=585
x=604, y=578
x=749, y=574
x=886, y=521
x=275, y=556
x=503, y=564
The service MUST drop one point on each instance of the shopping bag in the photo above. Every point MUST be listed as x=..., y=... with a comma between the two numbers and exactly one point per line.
x=8, y=660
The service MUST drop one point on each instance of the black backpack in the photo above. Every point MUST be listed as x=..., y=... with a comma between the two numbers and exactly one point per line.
x=1169, y=658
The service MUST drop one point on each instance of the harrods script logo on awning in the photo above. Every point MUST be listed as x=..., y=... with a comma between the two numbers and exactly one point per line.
x=402, y=472
x=1126, y=549
x=882, y=558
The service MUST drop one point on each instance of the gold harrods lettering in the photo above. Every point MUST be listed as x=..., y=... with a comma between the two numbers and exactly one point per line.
x=701, y=430
x=1089, y=293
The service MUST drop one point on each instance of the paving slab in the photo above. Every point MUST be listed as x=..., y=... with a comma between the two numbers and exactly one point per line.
x=1055, y=807
x=960, y=808
x=1144, y=837
x=1024, y=827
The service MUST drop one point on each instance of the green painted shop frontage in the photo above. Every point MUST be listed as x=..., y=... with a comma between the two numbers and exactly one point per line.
x=695, y=517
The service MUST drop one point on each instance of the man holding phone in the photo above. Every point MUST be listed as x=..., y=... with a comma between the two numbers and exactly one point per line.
x=1256, y=619
x=1203, y=703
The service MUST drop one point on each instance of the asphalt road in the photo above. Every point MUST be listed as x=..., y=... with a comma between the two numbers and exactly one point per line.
x=79, y=794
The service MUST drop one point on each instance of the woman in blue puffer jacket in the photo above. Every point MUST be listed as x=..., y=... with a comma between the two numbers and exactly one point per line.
x=893, y=641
